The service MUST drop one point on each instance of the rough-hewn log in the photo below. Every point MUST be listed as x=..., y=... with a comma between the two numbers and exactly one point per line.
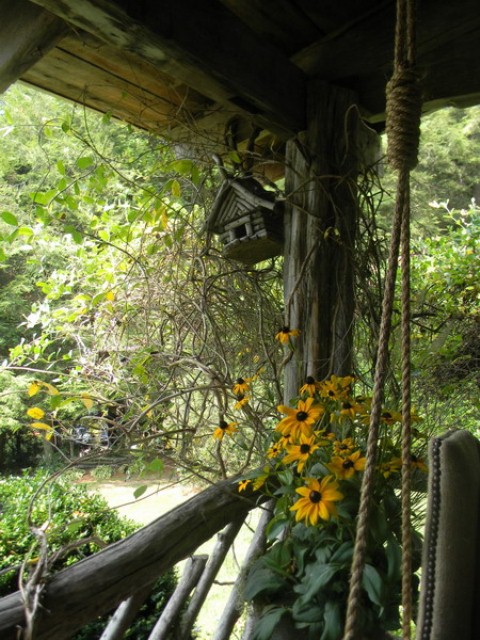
x=191, y=575
x=215, y=561
x=26, y=33
x=236, y=602
x=200, y=44
x=94, y=586
x=321, y=221
x=125, y=615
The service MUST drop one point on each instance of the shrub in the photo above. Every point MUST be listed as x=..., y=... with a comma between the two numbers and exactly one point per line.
x=69, y=514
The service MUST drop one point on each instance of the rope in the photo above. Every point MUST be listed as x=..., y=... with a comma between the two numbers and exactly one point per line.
x=403, y=131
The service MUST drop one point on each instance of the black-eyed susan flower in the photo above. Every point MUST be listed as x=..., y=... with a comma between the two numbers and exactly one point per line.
x=241, y=386
x=243, y=484
x=309, y=388
x=300, y=452
x=242, y=400
x=391, y=466
x=275, y=450
x=390, y=417
x=418, y=463
x=285, y=333
x=223, y=428
x=345, y=467
x=336, y=387
x=299, y=420
x=318, y=500
x=343, y=447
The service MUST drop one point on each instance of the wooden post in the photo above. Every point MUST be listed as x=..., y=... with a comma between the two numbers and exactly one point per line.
x=323, y=164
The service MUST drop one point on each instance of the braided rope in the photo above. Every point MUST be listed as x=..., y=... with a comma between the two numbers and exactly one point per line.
x=403, y=131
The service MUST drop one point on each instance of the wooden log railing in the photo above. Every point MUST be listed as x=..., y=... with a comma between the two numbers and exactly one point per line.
x=94, y=586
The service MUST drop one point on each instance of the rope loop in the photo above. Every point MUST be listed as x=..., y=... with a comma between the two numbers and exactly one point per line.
x=404, y=108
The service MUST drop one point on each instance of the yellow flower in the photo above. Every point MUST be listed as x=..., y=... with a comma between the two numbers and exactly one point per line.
x=350, y=408
x=301, y=452
x=336, y=387
x=418, y=463
x=274, y=450
x=286, y=333
x=309, y=387
x=343, y=447
x=241, y=386
x=241, y=401
x=36, y=413
x=318, y=500
x=299, y=420
x=345, y=467
x=391, y=466
x=243, y=484
x=223, y=428
x=390, y=417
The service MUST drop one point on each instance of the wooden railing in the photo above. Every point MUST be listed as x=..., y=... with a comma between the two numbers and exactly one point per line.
x=122, y=574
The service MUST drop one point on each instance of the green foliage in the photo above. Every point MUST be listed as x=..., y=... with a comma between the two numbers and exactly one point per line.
x=314, y=472
x=67, y=513
x=77, y=523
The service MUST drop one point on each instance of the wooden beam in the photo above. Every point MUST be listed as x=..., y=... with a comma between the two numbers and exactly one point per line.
x=360, y=56
x=203, y=45
x=94, y=586
x=27, y=32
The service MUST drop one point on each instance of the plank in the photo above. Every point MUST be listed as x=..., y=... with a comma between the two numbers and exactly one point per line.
x=26, y=32
x=203, y=45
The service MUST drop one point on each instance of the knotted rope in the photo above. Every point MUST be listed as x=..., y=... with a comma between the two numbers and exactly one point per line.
x=403, y=131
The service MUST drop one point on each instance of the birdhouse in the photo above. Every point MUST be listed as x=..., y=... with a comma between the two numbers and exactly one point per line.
x=248, y=219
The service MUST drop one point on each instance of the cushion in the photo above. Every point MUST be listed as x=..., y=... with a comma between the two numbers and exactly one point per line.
x=449, y=607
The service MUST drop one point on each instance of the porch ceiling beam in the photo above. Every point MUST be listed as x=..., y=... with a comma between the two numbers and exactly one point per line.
x=26, y=33
x=203, y=45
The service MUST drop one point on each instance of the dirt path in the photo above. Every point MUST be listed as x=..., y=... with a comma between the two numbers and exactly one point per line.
x=157, y=499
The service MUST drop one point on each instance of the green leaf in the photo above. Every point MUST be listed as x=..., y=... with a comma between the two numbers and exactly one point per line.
x=61, y=168
x=85, y=162
x=139, y=491
x=262, y=580
x=316, y=578
x=155, y=466
x=9, y=218
x=267, y=623
x=333, y=621
x=77, y=236
x=373, y=584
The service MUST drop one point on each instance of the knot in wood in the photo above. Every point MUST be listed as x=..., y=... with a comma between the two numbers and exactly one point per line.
x=404, y=108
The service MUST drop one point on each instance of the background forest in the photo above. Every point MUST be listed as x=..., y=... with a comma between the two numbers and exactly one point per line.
x=121, y=324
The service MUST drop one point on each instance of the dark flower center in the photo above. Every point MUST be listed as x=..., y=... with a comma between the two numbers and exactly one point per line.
x=304, y=448
x=302, y=415
x=285, y=329
x=342, y=447
x=348, y=464
x=387, y=415
x=240, y=381
x=223, y=424
x=310, y=380
x=315, y=497
x=331, y=393
x=347, y=405
x=240, y=397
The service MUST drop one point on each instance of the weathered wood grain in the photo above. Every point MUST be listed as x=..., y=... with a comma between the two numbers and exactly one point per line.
x=201, y=44
x=92, y=587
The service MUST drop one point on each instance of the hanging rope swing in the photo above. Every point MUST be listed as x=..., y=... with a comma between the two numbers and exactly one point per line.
x=403, y=133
